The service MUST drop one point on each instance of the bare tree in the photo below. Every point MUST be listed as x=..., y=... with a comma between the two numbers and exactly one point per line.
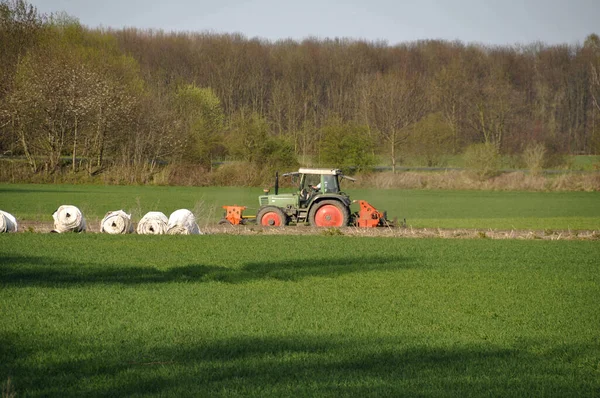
x=396, y=102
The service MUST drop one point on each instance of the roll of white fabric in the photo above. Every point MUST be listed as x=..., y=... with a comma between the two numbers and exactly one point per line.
x=182, y=222
x=153, y=223
x=68, y=218
x=116, y=222
x=8, y=222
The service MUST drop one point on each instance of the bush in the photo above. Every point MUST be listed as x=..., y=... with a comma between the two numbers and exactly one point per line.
x=534, y=157
x=253, y=143
x=482, y=161
x=346, y=145
x=431, y=140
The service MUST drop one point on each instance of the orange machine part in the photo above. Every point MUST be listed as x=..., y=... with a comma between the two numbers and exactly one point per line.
x=233, y=214
x=368, y=216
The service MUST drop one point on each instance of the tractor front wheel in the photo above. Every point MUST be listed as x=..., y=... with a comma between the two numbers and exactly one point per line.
x=329, y=213
x=271, y=216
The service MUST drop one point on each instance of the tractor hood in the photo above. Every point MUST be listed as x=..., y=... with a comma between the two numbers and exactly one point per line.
x=282, y=200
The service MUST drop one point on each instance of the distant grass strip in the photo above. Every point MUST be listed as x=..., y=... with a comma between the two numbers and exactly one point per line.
x=98, y=315
x=421, y=208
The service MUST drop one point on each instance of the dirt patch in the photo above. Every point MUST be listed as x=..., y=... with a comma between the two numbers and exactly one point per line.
x=94, y=227
x=411, y=232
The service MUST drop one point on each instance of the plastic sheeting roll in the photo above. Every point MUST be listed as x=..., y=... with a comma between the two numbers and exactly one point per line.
x=8, y=222
x=153, y=223
x=68, y=218
x=182, y=222
x=116, y=222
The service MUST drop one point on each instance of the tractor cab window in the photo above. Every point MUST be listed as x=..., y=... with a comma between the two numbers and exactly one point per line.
x=330, y=184
x=315, y=183
x=312, y=182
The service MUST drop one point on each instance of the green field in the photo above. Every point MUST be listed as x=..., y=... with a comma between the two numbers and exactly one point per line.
x=421, y=208
x=264, y=315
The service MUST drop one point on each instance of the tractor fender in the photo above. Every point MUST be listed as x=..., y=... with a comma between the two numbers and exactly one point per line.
x=319, y=198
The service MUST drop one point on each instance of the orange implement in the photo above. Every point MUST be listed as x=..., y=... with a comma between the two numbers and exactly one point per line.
x=233, y=214
x=368, y=216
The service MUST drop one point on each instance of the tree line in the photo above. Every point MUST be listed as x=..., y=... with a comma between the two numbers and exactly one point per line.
x=86, y=99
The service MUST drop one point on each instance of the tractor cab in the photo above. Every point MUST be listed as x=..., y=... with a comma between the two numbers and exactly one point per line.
x=319, y=183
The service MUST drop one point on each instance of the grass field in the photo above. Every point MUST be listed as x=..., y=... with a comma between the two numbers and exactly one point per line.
x=421, y=208
x=219, y=315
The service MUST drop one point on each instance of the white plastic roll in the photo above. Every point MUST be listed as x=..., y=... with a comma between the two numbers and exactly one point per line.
x=8, y=222
x=182, y=222
x=116, y=222
x=68, y=218
x=153, y=223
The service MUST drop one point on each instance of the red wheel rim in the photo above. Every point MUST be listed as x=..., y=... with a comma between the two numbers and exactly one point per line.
x=271, y=219
x=329, y=216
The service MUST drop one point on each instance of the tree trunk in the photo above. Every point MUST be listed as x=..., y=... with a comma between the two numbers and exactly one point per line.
x=74, y=169
x=393, y=157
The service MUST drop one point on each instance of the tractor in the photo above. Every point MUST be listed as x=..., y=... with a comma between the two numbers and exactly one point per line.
x=318, y=201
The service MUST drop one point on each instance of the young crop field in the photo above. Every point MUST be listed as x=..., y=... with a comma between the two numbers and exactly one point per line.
x=421, y=208
x=267, y=315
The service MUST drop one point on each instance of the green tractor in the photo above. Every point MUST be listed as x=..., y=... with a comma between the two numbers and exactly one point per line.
x=318, y=201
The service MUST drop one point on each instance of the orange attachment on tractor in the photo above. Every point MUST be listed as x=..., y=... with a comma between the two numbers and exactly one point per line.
x=368, y=216
x=233, y=214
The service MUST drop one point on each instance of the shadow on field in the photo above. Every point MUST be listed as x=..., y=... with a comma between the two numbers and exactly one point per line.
x=297, y=365
x=49, y=272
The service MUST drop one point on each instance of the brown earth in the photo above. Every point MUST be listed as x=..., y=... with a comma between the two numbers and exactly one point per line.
x=94, y=227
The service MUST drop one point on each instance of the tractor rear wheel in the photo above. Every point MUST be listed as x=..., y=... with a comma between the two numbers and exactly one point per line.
x=271, y=216
x=329, y=213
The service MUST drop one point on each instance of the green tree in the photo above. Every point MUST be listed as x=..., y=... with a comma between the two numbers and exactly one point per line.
x=51, y=99
x=201, y=117
x=20, y=28
x=252, y=141
x=345, y=145
x=73, y=94
x=431, y=139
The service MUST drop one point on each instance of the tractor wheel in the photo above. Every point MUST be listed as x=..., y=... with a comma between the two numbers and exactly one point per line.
x=329, y=213
x=271, y=216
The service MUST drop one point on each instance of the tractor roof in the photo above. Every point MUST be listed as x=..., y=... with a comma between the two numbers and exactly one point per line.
x=333, y=172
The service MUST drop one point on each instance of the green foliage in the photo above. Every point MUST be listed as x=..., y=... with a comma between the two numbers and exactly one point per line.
x=203, y=120
x=20, y=27
x=482, y=160
x=73, y=92
x=430, y=139
x=332, y=231
x=280, y=153
x=346, y=145
x=585, y=162
x=297, y=316
x=250, y=140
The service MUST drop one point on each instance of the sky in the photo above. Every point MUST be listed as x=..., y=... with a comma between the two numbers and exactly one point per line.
x=491, y=22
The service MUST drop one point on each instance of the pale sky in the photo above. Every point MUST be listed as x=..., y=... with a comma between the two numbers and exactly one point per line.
x=493, y=22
